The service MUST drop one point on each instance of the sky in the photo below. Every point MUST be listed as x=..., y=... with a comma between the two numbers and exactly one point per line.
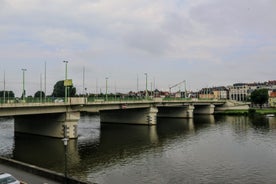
x=204, y=42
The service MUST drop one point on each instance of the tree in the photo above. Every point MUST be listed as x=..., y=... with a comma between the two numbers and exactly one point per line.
x=59, y=90
x=259, y=96
x=39, y=94
x=8, y=94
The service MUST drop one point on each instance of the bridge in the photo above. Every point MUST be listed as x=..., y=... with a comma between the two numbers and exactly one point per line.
x=60, y=119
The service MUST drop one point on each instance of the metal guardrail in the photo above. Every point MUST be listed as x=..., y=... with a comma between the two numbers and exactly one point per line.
x=83, y=100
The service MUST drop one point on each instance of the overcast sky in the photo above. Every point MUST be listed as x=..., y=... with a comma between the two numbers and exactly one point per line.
x=205, y=42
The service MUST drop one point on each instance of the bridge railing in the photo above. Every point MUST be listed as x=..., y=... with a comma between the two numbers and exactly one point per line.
x=30, y=100
x=94, y=99
x=114, y=99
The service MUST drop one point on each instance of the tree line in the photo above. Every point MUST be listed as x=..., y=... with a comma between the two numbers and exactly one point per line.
x=58, y=91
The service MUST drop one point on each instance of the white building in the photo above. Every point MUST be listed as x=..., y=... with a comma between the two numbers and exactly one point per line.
x=239, y=92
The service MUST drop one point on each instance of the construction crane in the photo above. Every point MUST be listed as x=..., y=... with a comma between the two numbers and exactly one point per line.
x=184, y=82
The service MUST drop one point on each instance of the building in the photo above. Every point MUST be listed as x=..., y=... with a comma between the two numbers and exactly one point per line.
x=272, y=98
x=206, y=93
x=220, y=92
x=242, y=91
x=239, y=92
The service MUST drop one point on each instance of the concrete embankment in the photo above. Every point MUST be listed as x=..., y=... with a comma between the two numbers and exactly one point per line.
x=58, y=177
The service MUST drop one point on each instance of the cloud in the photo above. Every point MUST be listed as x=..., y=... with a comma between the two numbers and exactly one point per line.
x=62, y=38
x=237, y=17
x=170, y=39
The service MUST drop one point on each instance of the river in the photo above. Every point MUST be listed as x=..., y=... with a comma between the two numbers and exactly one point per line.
x=205, y=149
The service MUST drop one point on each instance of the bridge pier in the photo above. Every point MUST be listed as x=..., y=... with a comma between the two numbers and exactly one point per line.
x=176, y=112
x=52, y=125
x=204, y=109
x=142, y=116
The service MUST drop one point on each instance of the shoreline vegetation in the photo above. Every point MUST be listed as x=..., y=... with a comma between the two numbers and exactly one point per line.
x=262, y=111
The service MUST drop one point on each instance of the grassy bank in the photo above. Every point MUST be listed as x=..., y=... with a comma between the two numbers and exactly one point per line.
x=233, y=112
x=250, y=111
x=266, y=111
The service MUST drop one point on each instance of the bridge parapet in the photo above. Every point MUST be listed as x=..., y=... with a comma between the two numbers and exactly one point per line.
x=143, y=116
x=57, y=125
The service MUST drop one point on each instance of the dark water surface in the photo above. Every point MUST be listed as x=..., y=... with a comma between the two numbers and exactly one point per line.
x=206, y=149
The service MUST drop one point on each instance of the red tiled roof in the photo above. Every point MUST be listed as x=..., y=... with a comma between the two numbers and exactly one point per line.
x=272, y=94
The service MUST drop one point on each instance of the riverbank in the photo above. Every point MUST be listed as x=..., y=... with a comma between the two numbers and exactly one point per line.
x=262, y=111
x=30, y=173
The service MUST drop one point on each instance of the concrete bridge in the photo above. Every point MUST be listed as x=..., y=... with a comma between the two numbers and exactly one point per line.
x=61, y=119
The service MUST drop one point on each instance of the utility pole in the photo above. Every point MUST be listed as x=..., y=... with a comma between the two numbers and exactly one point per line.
x=4, y=86
x=137, y=83
x=106, y=88
x=83, y=79
x=45, y=81
x=66, y=88
x=23, y=94
x=185, y=85
x=146, y=85
x=40, y=93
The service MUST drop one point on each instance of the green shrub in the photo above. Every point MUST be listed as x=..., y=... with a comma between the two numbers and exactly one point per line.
x=251, y=111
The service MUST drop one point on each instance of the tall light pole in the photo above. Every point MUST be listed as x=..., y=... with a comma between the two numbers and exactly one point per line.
x=106, y=88
x=185, y=88
x=40, y=93
x=146, y=85
x=137, y=83
x=65, y=143
x=45, y=65
x=4, y=87
x=23, y=93
x=83, y=79
x=66, y=89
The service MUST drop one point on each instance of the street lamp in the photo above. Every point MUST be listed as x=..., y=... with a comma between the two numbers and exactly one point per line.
x=106, y=88
x=23, y=93
x=65, y=143
x=185, y=88
x=66, y=88
x=146, y=85
x=45, y=67
x=4, y=87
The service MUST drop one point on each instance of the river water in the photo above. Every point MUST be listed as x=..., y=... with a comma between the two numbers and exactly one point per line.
x=206, y=149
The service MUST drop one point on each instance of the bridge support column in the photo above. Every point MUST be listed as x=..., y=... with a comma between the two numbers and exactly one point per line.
x=204, y=109
x=52, y=125
x=143, y=116
x=176, y=112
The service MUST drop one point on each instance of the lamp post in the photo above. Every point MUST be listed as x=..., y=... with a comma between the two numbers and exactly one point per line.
x=45, y=67
x=66, y=89
x=4, y=87
x=65, y=143
x=146, y=85
x=106, y=88
x=83, y=79
x=23, y=93
x=185, y=88
x=40, y=92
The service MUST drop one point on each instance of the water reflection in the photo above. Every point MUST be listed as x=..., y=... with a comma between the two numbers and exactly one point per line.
x=116, y=143
x=272, y=122
x=44, y=151
x=212, y=149
x=6, y=137
x=174, y=127
x=263, y=122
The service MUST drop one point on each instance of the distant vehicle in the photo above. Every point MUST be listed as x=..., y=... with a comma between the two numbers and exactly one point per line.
x=6, y=178
x=270, y=115
x=58, y=100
